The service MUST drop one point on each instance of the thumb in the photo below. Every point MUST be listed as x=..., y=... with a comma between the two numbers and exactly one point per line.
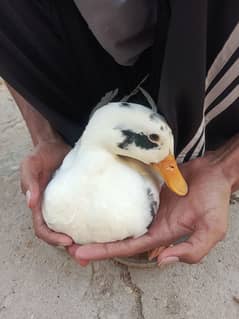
x=33, y=196
x=194, y=249
x=30, y=182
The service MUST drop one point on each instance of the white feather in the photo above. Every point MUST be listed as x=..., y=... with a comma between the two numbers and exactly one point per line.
x=99, y=196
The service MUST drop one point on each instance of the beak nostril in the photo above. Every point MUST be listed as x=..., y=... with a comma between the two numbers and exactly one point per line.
x=169, y=171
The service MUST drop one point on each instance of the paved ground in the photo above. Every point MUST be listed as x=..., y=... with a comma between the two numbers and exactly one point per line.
x=40, y=282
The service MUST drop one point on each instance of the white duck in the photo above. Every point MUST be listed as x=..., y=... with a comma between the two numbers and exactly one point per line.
x=106, y=188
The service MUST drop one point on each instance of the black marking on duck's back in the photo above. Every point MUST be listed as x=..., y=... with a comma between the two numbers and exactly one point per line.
x=139, y=139
x=153, y=202
x=125, y=104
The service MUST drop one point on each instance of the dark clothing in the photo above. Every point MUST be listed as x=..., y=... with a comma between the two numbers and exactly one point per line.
x=123, y=28
x=64, y=73
x=61, y=72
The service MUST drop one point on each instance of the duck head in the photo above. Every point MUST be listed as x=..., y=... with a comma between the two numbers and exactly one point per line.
x=134, y=131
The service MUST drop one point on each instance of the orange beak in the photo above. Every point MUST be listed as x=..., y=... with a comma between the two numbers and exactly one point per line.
x=172, y=176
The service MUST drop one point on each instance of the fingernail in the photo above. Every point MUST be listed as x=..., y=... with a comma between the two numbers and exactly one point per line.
x=64, y=244
x=84, y=263
x=168, y=261
x=28, y=197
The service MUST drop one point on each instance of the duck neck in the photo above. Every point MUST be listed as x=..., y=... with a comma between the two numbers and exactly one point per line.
x=95, y=153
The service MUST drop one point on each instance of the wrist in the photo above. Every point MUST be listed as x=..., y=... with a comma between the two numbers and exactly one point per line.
x=226, y=159
x=39, y=128
x=231, y=170
x=51, y=151
x=46, y=135
x=54, y=145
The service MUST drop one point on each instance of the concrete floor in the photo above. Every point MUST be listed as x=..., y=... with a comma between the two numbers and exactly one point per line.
x=40, y=282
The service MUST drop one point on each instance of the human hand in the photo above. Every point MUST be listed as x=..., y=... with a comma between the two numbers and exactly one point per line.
x=36, y=171
x=202, y=215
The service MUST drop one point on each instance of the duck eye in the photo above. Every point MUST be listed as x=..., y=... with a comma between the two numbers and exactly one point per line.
x=154, y=137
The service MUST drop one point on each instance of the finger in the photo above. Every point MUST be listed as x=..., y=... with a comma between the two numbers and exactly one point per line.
x=123, y=248
x=44, y=233
x=195, y=248
x=158, y=235
x=33, y=196
x=71, y=250
x=29, y=172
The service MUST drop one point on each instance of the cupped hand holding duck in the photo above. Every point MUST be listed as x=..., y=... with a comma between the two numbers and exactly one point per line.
x=107, y=188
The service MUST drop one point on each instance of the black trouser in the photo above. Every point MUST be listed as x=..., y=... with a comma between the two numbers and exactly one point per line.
x=48, y=54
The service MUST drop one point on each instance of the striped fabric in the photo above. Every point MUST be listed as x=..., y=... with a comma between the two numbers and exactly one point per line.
x=222, y=91
x=191, y=73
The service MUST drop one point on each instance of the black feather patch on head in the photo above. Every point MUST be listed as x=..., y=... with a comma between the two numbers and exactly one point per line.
x=139, y=139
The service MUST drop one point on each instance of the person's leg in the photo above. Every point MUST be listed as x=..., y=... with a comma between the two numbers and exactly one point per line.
x=49, y=56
